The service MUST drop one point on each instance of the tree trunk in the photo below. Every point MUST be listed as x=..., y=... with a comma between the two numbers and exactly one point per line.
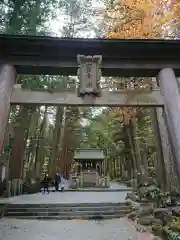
x=40, y=151
x=33, y=134
x=160, y=166
x=145, y=162
x=20, y=141
x=136, y=145
x=56, y=137
x=133, y=155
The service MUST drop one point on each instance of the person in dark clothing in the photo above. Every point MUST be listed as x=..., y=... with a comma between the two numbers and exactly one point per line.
x=46, y=183
x=57, y=180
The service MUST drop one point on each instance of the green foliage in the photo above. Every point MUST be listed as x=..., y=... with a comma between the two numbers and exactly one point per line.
x=27, y=17
x=48, y=83
x=106, y=130
x=173, y=235
x=153, y=192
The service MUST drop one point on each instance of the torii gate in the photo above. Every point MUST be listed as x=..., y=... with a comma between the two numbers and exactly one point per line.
x=58, y=56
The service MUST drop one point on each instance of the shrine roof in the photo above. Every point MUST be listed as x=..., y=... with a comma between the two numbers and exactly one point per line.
x=89, y=154
x=58, y=56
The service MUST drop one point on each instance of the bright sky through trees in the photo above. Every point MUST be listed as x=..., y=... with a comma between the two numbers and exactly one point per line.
x=56, y=24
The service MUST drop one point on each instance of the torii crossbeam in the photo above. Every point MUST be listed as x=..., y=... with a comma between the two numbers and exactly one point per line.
x=121, y=98
x=58, y=56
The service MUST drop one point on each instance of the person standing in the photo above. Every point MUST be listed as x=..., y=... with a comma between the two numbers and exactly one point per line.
x=57, y=180
x=45, y=183
x=62, y=183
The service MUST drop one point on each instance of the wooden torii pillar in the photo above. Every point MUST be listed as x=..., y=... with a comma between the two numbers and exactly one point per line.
x=7, y=80
x=169, y=87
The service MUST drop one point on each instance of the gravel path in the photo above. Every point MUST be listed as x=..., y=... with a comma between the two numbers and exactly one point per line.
x=118, y=229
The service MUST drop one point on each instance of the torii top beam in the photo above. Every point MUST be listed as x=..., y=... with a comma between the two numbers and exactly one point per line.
x=58, y=56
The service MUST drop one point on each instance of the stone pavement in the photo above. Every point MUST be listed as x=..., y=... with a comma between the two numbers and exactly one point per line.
x=113, y=187
x=71, y=197
x=67, y=197
x=118, y=229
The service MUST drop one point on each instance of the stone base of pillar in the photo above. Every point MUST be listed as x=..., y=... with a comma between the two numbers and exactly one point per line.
x=9, y=189
x=7, y=192
x=19, y=186
x=97, y=180
x=81, y=181
x=74, y=182
x=106, y=184
x=16, y=187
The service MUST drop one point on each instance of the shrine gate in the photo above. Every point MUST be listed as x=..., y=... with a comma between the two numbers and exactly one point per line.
x=90, y=59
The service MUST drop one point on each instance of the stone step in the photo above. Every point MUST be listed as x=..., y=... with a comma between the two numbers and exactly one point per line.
x=58, y=213
x=61, y=205
x=68, y=208
x=95, y=190
x=67, y=211
x=65, y=217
